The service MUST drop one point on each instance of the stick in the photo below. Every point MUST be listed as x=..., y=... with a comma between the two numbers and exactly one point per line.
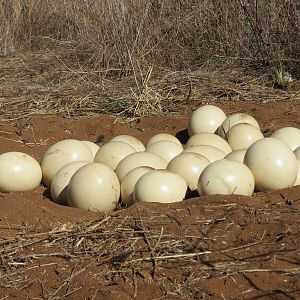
x=151, y=249
x=170, y=256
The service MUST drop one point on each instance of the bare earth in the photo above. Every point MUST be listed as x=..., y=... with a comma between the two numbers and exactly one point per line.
x=220, y=247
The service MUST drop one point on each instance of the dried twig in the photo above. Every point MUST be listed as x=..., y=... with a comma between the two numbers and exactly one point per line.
x=124, y=244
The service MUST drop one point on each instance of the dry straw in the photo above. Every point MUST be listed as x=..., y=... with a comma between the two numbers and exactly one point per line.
x=144, y=242
x=65, y=56
x=45, y=83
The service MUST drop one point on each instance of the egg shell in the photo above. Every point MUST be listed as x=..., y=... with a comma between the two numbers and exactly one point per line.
x=112, y=153
x=243, y=135
x=234, y=119
x=165, y=149
x=61, y=179
x=132, y=141
x=289, y=136
x=226, y=177
x=210, y=152
x=206, y=118
x=19, y=172
x=128, y=183
x=237, y=155
x=272, y=163
x=94, y=187
x=210, y=139
x=139, y=159
x=93, y=147
x=189, y=166
x=163, y=137
x=161, y=186
x=62, y=153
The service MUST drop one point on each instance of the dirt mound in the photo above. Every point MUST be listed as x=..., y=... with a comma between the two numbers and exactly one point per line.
x=217, y=247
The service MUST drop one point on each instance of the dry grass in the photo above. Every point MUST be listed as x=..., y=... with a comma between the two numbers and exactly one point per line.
x=46, y=83
x=138, y=57
x=115, y=35
x=144, y=243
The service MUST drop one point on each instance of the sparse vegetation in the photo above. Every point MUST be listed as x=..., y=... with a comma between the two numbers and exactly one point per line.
x=63, y=56
x=282, y=78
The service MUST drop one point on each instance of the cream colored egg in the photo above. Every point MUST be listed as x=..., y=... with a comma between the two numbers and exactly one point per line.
x=189, y=166
x=128, y=183
x=62, y=153
x=297, y=153
x=243, y=135
x=298, y=174
x=226, y=177
x=234, y=119
x=19, y=172
x=237, y=155
x=112, y=153
x=211, y=139
x=163, y=137
x=206, y=118
x=289, y=136
x=139, y=159
x=165, y=149
x=60, y=181
x=210, y=152
x=160, y=186
x=94, y=187
x=132, y=141
x=272, y=163
x=93, y=147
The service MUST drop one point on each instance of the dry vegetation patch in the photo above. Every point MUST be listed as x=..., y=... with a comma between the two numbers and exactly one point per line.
x=134, y=58
x=45, y=83
x=216, y=239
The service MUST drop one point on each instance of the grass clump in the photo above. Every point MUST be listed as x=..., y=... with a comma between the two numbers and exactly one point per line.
x=282, y=78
